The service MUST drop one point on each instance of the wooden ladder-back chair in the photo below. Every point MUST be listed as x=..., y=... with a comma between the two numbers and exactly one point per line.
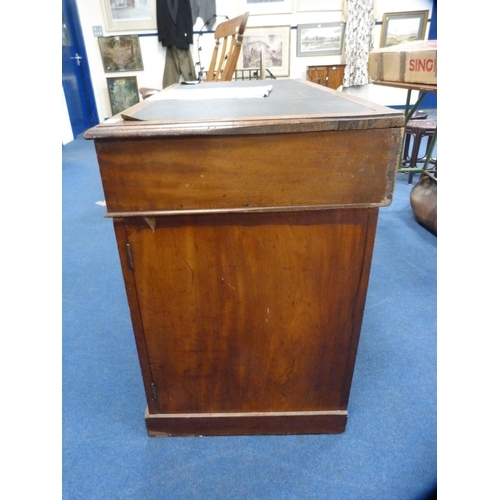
x=225, y=57
x=228, y=39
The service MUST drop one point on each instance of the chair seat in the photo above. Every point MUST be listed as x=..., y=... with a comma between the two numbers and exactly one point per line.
x=421, y=126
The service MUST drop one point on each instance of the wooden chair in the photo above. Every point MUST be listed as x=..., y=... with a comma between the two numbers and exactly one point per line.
x=418, y=130
x=228, y=39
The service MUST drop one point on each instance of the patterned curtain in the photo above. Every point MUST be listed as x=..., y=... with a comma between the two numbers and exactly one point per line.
x=358, y=40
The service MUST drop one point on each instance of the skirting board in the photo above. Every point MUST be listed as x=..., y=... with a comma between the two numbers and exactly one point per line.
x=251, y=423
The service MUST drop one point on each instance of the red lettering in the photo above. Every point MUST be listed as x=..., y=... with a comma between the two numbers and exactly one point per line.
x=427, y=65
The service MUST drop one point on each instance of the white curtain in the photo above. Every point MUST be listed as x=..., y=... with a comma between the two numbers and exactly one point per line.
x=358, y=40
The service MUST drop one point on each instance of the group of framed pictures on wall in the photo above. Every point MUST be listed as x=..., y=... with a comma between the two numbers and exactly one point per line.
x=123, y=53
x=140, y=15
x=273, y=43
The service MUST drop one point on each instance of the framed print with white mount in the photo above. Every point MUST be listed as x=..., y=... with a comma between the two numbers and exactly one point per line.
x=129, y=15
x=273, y=42
x=324, y=39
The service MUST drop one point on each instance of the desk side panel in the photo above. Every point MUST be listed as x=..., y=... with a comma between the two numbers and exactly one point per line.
x=251, y=312
x=316, y=169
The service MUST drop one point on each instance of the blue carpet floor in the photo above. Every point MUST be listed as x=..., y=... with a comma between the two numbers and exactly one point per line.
x=388, y=451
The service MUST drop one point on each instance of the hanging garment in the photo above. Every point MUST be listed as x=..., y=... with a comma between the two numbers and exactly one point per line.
x=178, y=62
x=204, y=9
x=175, y=31
x=174, y=23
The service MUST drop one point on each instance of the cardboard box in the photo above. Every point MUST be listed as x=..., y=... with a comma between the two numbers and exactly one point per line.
x=411, y=62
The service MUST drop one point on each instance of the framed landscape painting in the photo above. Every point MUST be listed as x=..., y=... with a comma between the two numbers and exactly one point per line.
x=402, y=27
x=323, y=39
x=121, y=53
x=123, y=93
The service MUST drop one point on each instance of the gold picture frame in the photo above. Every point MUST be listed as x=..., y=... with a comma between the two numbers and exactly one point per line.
x=402, y=27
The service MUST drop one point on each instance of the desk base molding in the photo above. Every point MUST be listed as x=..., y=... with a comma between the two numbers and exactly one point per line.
x=246, y=423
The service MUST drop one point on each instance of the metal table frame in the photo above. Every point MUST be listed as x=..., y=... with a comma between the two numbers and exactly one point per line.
x=410, y=111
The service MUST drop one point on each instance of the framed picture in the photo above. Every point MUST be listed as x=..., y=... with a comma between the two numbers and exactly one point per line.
x=317, y=5
x=274, y=44
x=121, y=53
x=401, y=27
x=324, y=39
x=123, y=93
x=256, y=7
x=129, y=15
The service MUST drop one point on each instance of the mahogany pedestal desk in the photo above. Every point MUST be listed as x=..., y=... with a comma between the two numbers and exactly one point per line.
x=245, y=229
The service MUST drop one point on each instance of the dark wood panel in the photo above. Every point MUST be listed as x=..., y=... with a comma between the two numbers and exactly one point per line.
x=251, y=312
x=355, y=168
x=330, y=76
x=240, y=424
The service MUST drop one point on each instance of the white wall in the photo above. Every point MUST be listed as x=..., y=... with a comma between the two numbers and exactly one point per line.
x=153, y=54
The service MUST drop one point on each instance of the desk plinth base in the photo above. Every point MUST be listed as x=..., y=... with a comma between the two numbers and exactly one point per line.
x=251, y=423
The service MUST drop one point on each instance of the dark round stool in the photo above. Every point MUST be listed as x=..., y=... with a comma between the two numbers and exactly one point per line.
x=418, y=130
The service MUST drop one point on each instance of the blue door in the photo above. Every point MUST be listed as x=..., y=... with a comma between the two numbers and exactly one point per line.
x=76, y=81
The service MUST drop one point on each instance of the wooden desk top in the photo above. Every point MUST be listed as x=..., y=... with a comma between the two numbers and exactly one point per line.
x=292, y=106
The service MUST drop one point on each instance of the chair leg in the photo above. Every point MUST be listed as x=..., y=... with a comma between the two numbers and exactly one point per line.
x=414, y=155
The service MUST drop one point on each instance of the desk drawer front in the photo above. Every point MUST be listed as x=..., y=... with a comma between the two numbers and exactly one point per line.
x=340, y=168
